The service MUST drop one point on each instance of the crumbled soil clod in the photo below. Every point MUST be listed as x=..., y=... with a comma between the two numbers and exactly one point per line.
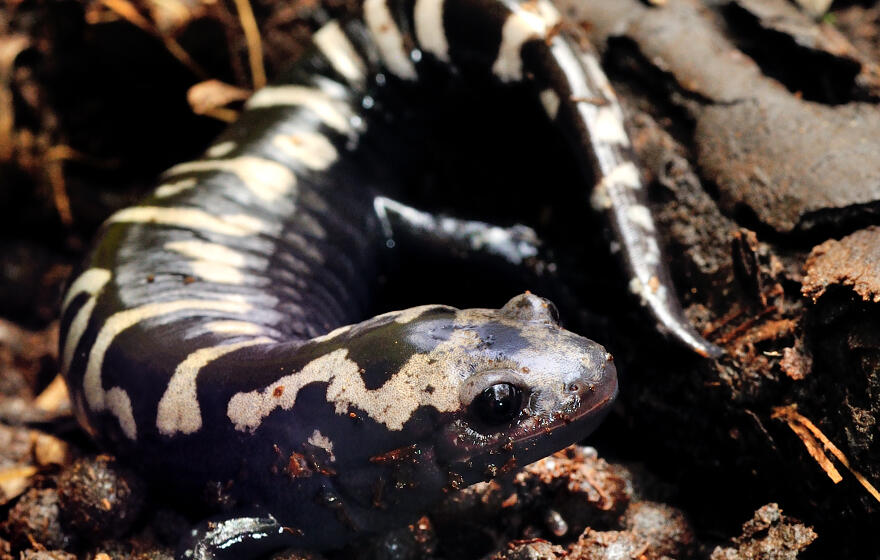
x=557, y=496
x=23, y=454
x=585, y=494
x=16, y=446
x=100, y=498
x=585, y=490
x=854, y=261
x=35, y=518
x=769, y=535
x=532, y=550
x=609, y=545
x=665, y=529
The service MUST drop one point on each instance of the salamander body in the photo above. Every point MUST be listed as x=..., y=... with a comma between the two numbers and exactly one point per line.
x=216, y=332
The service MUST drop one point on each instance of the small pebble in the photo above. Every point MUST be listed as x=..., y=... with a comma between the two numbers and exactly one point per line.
x=608, y=545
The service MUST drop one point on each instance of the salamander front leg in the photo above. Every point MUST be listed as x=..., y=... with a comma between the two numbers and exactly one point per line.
x=246, y=537
x=460, y=238
x=515, y=254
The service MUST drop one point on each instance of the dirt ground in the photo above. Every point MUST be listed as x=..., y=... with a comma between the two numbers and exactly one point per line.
x=757, y=123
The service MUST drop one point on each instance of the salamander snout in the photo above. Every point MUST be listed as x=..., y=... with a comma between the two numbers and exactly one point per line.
x=529, y=387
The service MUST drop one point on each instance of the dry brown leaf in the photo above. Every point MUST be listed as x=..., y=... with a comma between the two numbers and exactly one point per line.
x=211, y=97
x=49, y=450
x=54, y=397
x=14, y=481
x=171, y=15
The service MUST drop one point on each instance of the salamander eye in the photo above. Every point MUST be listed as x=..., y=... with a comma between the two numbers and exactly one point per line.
x=498, y=404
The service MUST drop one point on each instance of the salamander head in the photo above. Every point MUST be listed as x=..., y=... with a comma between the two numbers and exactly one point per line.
x=445, y=398
x=529, y=389
x=483, y=389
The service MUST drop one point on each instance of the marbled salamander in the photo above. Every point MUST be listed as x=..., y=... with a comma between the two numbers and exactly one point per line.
x=213, y=333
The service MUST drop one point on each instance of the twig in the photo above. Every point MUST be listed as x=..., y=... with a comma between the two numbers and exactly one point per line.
x=252, y=36
x=809, y=433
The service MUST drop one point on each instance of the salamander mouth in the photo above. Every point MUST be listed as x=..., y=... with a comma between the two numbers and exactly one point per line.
x=475, y=457
x=531, y=444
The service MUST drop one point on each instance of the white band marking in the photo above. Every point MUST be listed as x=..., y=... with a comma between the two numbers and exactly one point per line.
x=179, y=410
x=550, y=101
x=312, y=149
x=392, y=404
x=641, y=216
x=175, y=187
x=211, y=262
x=332, y=112
x=237, y=225
x=341, y=53
x=609, y=126
x=388, y=39
x=429, y=28
x=221, y=149
x=267, y=179
x=115, y=399
x=91, y=282
x=203, y=250
x=525, y=23
x=119, y=404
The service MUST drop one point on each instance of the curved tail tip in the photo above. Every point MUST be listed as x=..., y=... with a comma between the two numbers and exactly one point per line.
x=709, y=350
x=699, y=344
